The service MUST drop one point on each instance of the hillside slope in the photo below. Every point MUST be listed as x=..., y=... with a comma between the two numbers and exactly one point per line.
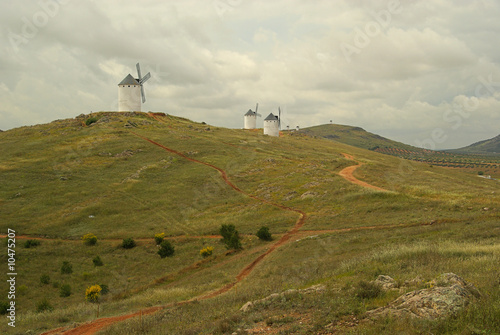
x=490, y=146
x=133, y=175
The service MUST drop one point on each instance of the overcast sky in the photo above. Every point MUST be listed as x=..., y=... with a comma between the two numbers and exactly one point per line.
x=426, y=73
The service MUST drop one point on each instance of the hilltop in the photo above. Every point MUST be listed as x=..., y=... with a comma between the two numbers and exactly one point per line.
x=134, y=175
x=490, y=146
x=479, y=158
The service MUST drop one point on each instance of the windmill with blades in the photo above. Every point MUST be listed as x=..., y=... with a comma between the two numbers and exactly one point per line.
x=131, y=92
x=272, y=124
x=251, y=118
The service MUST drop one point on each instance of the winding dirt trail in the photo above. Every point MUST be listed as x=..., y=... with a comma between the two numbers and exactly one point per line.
x=96, y=325
x=347, y=174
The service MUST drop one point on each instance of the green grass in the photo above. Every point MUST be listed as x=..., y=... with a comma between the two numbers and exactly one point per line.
x=64, y=180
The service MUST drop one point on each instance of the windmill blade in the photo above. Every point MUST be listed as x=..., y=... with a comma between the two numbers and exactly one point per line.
x=279, y=117
x=138, y=71
x=145, y=78
x=256, y=108
x=259, y=115
x=143, y=95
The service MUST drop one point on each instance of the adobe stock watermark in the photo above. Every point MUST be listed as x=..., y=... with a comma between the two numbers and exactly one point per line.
x=459, y=112
x=31, y=26
x=224, y=6
x=363, y=37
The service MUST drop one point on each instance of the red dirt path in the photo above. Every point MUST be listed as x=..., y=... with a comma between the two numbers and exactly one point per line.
x=95, y=326
x=347, y=174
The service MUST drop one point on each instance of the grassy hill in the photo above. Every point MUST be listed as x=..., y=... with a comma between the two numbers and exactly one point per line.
x=479, y=158
x=102, y=174
x=486, y=147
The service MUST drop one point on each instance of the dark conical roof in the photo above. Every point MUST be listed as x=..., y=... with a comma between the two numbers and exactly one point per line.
x=129, y=80
x=250, y=113
x=271, y=117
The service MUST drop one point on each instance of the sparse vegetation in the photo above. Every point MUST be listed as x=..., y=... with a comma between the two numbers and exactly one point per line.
x=89, y=239
x=264, y=234
x=45, y=279
x=66, y=268
x=44, y=306
x=31, y=243
x=436, y=220
x=166, y=249
x=97, y=261
x=128, y=243
x=159, y=238
x=206, y=252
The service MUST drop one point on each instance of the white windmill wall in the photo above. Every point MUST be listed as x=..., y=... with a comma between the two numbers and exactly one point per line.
x=250, y=121
x=129, y=98
x=271, y=128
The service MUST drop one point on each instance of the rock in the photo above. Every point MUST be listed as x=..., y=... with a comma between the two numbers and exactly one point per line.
x=283, y=295
x=308, y=194
x=450, y=295
x=386, y=283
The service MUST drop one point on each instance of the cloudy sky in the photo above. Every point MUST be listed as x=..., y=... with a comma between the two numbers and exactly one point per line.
x=426, y=73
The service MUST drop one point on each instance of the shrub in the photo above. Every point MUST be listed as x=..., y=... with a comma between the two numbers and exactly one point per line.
x=89, y=239
x=159, y=238
x=91, y=120
x=93, y=293
x=97, y=261
x=128, y=243
x=44, y=279
x=481, y=173
x=367, y=290
x=65, y=290
x=226, y=231
x=230, y=236
x=4, y=306
x=66, y=268
x=44, y=306
x=31, y=243
x=264, y=234
x=205, y=252
x=166, y=249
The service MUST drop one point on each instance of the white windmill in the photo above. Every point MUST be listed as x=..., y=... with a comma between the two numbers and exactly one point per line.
x=131, y=92
x=251, y=118
x=272, y=124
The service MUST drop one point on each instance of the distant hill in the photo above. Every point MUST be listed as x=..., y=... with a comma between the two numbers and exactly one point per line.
x=356, y=136
x=491, y=146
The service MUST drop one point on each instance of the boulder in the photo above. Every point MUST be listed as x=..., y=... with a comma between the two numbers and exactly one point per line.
x=447, y=295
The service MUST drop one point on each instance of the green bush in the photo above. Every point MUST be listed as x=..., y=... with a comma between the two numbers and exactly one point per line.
x=91, y=120
x=31, y=243
x=44, y=279
x=66, y=268
x=65, y=290
x=97, y=261
x=44, y=306
x=367, y=290
x=159, y=238
x=89, y=239
x=264, y=234
x=166, y=249
x=128, y=243
x=230, y=236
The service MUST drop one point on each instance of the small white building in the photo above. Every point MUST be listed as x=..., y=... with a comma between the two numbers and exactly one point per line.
x=250, y=120
x=271, y=125
x=129, y=95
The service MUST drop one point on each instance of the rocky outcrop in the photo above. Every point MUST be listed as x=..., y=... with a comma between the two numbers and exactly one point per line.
x=447, y=295
x=386, y=283
x=280, y=296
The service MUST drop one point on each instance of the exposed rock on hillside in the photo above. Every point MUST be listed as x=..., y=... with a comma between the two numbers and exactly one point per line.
x=448, y=294
x=280, y=296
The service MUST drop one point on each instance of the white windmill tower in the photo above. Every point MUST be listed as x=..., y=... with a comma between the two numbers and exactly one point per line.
x=131, y=92
x=272, y=124
x=251, y=118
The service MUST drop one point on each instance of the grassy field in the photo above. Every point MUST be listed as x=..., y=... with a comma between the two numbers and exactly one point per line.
x=65, y=179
